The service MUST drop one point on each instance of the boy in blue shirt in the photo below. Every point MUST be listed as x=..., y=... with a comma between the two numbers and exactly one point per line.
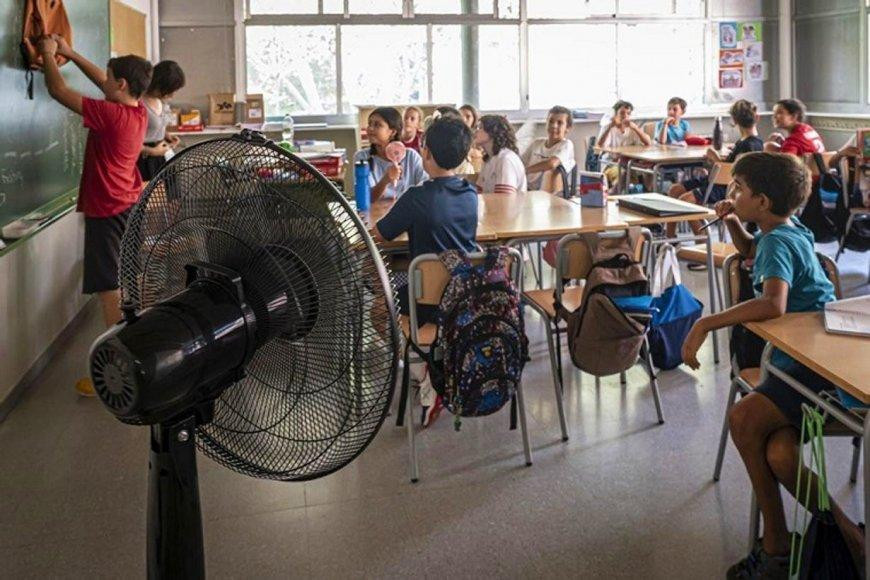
x=673, y=128
x=439, y=214
x=787, y=277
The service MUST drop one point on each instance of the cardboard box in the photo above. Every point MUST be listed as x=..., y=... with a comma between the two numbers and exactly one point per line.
x=220, y=109
x=255, y=109
x=191, y=121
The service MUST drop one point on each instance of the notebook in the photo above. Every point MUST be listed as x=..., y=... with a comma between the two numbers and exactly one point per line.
x=656, y=204
x=850, y=316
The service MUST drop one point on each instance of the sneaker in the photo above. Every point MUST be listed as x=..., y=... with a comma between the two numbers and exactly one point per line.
x=696, y=267
x=85, y=388
x=758, y=565
x=431, y=413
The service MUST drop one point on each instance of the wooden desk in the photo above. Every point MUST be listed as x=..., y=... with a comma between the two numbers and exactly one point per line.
x=659, y=156
x=843, y=360
x=539, y=215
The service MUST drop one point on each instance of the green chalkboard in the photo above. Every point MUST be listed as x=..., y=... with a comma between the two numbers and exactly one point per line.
x=41, y=142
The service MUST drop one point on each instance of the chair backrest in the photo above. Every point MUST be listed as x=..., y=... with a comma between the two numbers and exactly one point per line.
x=575, y=261
x=832, y=272
x=721, y=173
x=427, y=279
x=649, y=128
x=731, y=274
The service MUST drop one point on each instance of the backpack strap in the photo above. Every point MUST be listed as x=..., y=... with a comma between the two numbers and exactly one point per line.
x=453, y=260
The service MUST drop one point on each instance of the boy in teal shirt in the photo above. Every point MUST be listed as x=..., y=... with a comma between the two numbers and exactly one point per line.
x=787, y=277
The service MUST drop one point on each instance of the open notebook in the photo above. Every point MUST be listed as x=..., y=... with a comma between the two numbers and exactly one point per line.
x=851, y=316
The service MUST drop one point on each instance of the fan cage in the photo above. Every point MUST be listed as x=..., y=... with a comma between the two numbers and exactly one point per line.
x=320, y=385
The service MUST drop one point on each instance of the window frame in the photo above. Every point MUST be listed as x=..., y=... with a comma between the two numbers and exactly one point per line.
x=522, y=21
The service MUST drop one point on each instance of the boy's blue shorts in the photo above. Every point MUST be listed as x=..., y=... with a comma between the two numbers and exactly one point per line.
x=787, y=399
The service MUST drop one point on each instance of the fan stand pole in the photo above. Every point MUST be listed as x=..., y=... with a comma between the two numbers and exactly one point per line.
x=175, y=547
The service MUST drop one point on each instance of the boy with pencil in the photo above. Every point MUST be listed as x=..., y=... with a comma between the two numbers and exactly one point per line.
x=110, y=182
x=787, y=277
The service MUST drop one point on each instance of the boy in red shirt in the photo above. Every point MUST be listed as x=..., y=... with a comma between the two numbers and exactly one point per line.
x=110, y=182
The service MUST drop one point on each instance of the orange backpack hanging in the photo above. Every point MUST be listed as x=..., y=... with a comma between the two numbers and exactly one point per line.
x=41, y=18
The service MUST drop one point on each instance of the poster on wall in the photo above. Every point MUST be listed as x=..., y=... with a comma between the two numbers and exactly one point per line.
x=756, y=71
x=727, y=35
x=753, y=51
x=749, y=32
x=731, y=78
x=731, y=58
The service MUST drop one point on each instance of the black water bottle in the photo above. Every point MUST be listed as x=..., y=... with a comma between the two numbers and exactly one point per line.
x=717, y=135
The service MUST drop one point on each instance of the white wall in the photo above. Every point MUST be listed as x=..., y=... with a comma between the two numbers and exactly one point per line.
x=40, y=293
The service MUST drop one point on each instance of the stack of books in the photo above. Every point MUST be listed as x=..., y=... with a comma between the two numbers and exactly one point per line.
x=324, y=156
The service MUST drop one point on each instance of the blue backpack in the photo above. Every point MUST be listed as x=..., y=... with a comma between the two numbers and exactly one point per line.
x=674, y=311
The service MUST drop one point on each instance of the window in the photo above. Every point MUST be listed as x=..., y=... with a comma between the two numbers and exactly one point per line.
x=580, y=53
x=447, y=64
x=498, y=67
x=657, y=61
x=567, y=65
x=293, y=67
x=567, y=9
x=383, y=65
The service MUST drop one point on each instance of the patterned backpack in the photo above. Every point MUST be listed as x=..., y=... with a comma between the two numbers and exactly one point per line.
x=478, y=355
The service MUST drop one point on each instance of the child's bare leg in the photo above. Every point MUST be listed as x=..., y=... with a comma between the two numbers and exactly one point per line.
x=110, y=300
x=677, y=190
x=783, y=455
x=751, y=421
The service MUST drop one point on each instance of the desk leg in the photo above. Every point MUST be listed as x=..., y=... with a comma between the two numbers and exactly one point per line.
x=866, y=438
x=626, y=182
x=711, y=281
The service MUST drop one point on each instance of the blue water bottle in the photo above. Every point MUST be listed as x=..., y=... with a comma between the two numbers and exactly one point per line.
x=361, y=189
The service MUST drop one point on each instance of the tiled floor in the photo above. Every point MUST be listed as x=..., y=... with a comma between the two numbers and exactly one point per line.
x=624, y=498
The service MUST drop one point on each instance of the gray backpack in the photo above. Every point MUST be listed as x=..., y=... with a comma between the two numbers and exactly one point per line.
x=602, y=339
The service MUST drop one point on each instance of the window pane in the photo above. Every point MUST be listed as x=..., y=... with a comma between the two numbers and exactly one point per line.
x=581, y=50
x=660, y=60
x=440, y=6
x=446, y=64
x=294, y=68
x=283, y=7
x=375, y=6
x=498, y=73
x=333, y=6
x=690, y=7
x=383, y=65
x=563, y=9
x=507, y=8
x=652, y=7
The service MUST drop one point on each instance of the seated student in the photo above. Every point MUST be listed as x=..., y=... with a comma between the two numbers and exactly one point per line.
x=110, y=183
x=439, y=215
x=621, y=131
x=743, y=114
x=445, y=112
x=787, y=277
x=802, y=139
x=503, y=170
x=387, y=179
x=548, y=153
x=673, y=128
x=166, y=79
x=411, y=124
x=861, y=183
x=475, y=154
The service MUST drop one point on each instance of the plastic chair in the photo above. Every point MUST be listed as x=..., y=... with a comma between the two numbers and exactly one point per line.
x=427, y=279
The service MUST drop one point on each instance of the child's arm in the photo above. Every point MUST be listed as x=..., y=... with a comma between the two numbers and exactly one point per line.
x=54, y=82
x=545, y=165
x=604, y=134
x=92, y=71
x=771, y=304
x=663, y=133
x=393, y=173
x=646, y=139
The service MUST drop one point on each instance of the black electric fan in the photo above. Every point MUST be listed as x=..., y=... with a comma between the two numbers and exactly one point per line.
x=258, y=325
